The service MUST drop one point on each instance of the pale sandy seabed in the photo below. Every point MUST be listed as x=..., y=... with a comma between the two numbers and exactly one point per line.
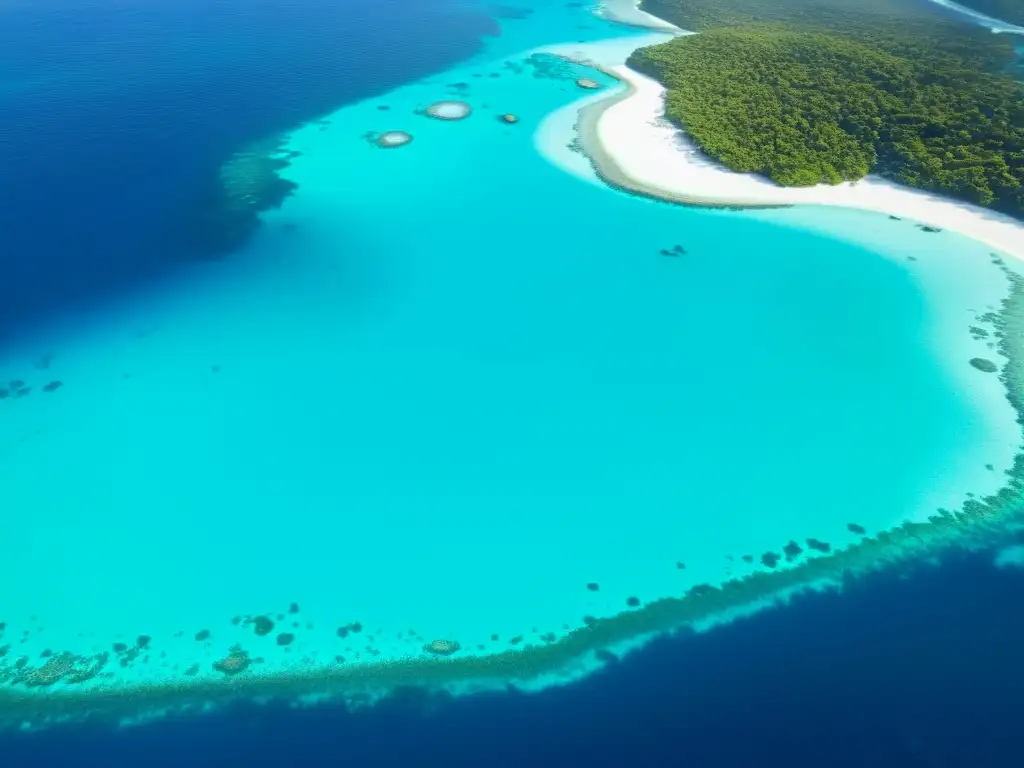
x=628, y=143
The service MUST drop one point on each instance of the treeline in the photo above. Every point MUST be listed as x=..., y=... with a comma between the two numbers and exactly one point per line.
x=812, y=91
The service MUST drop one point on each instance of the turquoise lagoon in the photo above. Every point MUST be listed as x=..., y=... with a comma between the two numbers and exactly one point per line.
x=451, y=391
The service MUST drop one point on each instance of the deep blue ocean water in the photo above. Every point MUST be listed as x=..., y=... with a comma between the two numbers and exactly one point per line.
x=917, y=669
x=115, y=118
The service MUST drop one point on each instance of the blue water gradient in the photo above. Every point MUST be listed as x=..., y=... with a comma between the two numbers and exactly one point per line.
x=914, y=669
x=118, y=115
x=447, y=391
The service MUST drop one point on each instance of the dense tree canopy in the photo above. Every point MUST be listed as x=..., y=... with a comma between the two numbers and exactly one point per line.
x=829, y=94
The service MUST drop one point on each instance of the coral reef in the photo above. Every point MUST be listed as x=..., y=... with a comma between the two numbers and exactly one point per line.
x=441, y=647
x=235, y=662
x=448, y=110
x=225, y=212
x=393, y=139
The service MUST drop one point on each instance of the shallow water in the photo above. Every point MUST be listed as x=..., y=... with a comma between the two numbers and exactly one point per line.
x=451, y=391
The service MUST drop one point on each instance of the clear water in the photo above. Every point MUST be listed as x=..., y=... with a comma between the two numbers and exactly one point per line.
x=449, y=385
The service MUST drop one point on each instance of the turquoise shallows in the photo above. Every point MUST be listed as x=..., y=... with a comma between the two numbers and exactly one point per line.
x=449, y=385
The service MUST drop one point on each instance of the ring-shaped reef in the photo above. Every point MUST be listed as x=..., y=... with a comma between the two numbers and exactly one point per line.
x=392, y=139
x=448, y=110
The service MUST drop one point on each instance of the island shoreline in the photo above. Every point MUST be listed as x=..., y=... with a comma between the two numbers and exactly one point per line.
x=632, y=147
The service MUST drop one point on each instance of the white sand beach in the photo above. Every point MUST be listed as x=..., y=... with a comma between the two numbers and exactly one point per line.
x=632, y=146
x=628, y=12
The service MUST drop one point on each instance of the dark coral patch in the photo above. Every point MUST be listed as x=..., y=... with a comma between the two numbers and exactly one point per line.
x=442, y=647
x=860, y=530
x=820, y=546
x=235, y=662
x=697, y=590
x=262, y=625
x=593, y=586
x=203, y=634
x=633, y=602
x=987, y=366
x=285, y=638
x=770, y=559
x=53, y=386
x=792, y=551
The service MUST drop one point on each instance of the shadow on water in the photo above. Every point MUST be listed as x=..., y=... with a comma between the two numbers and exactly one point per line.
x=118, y=116
x=916, y=667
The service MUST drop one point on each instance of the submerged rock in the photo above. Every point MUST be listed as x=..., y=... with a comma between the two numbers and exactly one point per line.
x=509, y=118
x=984, y=365
x=586, y=82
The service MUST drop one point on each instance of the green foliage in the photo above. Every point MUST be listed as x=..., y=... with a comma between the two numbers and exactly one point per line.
x=804, y=101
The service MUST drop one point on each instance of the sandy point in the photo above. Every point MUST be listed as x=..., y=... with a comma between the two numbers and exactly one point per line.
x=632, y=146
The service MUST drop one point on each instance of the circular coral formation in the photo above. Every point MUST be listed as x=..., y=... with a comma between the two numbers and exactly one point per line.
x=392, y=139
x=586, y=82
x=441, y=647
x=984, y=365
x=509, y=118
x=448, y=110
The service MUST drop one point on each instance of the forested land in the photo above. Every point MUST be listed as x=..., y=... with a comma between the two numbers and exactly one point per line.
x=811, y=91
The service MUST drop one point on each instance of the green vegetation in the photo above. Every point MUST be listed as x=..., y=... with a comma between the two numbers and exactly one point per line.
x=811, y=91
x=1004, y=10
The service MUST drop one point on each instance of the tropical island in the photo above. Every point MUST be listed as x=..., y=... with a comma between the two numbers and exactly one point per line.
x=813, y=91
